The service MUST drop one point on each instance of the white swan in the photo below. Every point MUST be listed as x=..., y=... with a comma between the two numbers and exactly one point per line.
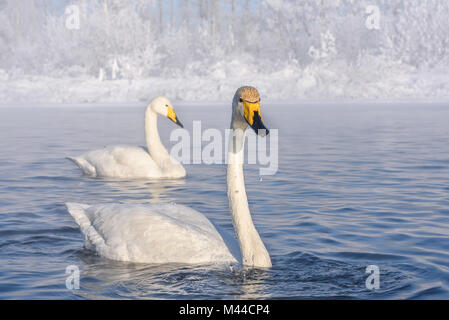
x=135, y=162
x=163, y=233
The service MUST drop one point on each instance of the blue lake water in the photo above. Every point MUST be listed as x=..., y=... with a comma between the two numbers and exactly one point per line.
x=358, y=184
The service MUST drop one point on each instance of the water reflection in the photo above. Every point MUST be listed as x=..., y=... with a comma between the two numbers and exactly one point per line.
x=153, y=191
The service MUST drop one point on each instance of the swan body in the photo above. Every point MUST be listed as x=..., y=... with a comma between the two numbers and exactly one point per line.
x=118, y=161
x=134, y=162
x=162, y=233
x=152, y=233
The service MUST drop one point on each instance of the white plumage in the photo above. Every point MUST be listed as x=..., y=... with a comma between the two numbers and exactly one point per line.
x=120, y=162
x=152, y=233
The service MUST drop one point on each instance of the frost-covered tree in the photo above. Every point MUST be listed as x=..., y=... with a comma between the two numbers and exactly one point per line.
x=301, y=39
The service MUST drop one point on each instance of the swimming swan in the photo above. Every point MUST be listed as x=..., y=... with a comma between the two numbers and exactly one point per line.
x=164, y=233
x=135, y=162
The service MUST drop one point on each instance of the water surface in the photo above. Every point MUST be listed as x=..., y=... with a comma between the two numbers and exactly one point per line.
x=358, y=184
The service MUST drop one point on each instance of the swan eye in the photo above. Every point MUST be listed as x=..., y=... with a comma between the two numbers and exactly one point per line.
x=241, y=100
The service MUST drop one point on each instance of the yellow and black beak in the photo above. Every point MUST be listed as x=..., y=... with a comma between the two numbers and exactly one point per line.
x=172, y=116
x=254, y=118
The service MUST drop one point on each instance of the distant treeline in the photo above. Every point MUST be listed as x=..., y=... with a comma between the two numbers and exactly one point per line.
x=141, y=38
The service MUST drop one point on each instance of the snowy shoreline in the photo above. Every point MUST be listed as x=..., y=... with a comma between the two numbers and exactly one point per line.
x=89, y=90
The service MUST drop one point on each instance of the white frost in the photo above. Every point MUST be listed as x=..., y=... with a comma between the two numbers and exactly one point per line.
x=131, y=51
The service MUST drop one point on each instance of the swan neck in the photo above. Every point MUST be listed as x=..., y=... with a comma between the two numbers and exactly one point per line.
x=254, y=253
x=155, y=147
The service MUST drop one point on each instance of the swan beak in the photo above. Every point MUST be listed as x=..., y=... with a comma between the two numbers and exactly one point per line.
x=254, y=117
x=172, y=116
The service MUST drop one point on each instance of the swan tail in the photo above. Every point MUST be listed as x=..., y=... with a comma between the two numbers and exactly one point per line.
x=83, y=165
x=93, y=240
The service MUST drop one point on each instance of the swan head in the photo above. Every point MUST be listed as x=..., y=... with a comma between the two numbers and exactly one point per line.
x=163, y=106
x=246, y=110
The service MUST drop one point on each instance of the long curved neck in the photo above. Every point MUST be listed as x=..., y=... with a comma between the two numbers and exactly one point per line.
x=155, y=147
x=254, y=253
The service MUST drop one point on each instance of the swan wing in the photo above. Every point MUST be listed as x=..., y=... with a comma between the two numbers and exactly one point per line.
x=118, y=161
x=84, y=165
x=152, y=233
